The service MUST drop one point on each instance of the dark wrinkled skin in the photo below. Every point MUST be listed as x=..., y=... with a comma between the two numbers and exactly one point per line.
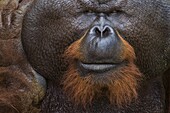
x=50, y=26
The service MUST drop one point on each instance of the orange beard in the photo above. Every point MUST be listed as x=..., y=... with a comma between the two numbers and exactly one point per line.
x=121, y=83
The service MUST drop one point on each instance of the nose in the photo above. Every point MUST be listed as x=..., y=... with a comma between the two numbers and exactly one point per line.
x=101, y=31
x=101, y=44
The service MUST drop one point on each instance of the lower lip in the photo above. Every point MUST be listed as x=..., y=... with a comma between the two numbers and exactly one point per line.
x=97, y=67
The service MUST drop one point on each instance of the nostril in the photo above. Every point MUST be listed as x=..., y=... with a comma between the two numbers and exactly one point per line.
x=106, y=32
x=97, y=32
x=101, y=31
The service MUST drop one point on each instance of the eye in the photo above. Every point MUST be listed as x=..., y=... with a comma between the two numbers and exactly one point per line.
x=88, y=11
x=117, y=11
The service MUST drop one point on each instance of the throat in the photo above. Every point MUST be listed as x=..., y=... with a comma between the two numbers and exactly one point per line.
x=56, y=101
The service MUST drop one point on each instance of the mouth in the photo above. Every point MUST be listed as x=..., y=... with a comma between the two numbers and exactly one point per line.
x=98, y=67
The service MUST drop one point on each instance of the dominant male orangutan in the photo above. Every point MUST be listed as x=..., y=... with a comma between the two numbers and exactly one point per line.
x=85, y=56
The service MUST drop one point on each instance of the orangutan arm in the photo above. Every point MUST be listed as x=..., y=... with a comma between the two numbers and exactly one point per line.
x=21, y=88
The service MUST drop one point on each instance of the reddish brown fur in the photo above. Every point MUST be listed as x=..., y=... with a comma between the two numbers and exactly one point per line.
x=121, y=84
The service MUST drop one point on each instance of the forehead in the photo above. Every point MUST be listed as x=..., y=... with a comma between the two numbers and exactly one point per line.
x=96, y=2
x=102, y=2
x=103, y=5
x=99, y=5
